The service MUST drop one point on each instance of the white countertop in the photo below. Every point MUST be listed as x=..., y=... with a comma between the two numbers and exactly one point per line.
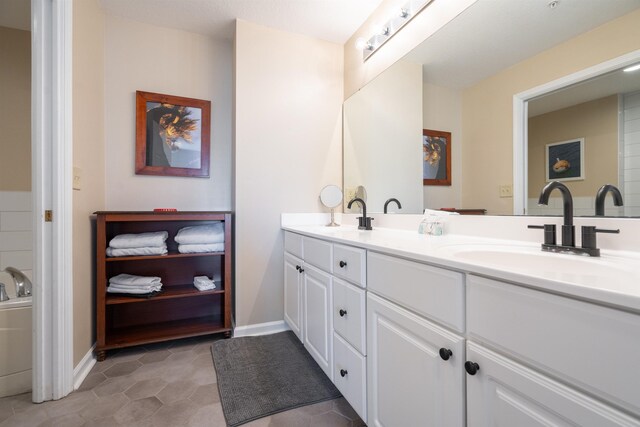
x=611, y=279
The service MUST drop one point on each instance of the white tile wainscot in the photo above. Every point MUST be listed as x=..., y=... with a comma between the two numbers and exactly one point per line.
x=452, y=340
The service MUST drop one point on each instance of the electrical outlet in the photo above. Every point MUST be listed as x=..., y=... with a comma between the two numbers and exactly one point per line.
x=506, y=190
x=77, y=178
x=349, y=194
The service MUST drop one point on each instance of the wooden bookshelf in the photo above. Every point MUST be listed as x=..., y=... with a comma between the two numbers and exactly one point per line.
x=179, y=310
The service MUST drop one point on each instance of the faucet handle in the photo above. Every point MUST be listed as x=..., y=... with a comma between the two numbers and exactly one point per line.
x=589, y=235
x=549, y=232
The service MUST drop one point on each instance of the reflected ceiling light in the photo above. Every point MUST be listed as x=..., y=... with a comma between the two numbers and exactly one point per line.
x=384, y=32
x=632, y=68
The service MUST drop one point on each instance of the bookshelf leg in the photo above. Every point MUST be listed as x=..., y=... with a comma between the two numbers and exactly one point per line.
x=227, y=334
x=101, y=355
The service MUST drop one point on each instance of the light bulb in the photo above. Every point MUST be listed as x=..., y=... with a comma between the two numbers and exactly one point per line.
x=632, y=68
x=361, y=43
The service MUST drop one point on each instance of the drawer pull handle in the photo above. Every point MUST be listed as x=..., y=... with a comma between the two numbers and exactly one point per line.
x=343, y=264
x=445, y=353
x=472, y=368
x=343, y=373
x=343, y=312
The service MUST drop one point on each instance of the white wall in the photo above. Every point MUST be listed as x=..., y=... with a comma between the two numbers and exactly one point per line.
x=382, y=153
x=288, y=146
x=154, y=59
x=631, y=167
x=442, y=110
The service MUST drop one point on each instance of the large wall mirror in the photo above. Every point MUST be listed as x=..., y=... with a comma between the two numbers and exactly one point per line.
x=463, y=80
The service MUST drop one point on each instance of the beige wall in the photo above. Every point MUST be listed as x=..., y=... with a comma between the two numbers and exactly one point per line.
x=442, y=110
x=88, y=155
x=15, y=109
x=154, y=59
x=288, y=97
x=358, y=73
x=595, y=121
x=487, y=107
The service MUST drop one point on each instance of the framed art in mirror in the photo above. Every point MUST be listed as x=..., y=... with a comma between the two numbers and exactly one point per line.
x=436, y=157
x=172, y=135
x=564, y=161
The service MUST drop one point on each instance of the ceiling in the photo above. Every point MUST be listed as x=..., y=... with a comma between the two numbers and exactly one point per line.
x=491, y=35
x=331, y=20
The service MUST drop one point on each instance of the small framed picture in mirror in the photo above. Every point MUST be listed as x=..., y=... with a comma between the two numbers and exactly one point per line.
x=172, y=135
x=564, y=160
x=436, y=157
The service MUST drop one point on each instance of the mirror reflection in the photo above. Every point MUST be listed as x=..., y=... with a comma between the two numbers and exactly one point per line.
x=470, y=73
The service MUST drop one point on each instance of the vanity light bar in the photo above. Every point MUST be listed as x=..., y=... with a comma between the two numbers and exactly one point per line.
x=392, y=26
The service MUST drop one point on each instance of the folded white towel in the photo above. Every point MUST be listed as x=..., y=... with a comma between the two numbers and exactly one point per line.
x=131, y=280
x=115, y=289
x=140, y=240
x=210, y=233
x=149, y=250
x=200, y=248
x=203, y=283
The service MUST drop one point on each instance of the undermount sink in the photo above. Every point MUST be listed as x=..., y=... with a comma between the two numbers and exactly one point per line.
x=532, y=260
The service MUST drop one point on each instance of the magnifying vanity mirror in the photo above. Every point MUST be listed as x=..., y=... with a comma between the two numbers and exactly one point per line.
x=331, y=197
x=507, y=92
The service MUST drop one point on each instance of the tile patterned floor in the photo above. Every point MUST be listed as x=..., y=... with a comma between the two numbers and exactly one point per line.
x=168, y=384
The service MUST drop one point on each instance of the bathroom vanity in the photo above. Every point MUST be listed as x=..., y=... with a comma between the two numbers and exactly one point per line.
x=459, y=330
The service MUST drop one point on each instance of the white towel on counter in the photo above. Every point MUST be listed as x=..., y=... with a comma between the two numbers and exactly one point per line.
x=198, y=234
x=140, y=240
x=201, y=248
x=139, y=290
x=203, y=283
x=133, y=281
x=150, y=250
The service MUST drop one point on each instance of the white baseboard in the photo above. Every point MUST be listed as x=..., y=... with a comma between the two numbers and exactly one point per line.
x=81, y=371
x=261, y=329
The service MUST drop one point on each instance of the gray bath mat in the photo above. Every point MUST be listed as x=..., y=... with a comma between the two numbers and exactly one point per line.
x=263, y=375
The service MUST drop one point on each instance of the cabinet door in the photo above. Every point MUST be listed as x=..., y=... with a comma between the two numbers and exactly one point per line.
x=505, y=393
x=409, y=384
x=293, y=294
x=317, y=321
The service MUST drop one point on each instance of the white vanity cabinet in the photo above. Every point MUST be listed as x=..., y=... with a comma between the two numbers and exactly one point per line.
x=415, y=373
x=552, y=354
x=293, y=290
x=317, y=317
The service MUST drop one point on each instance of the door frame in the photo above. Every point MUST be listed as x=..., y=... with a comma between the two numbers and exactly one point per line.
x=51, y=130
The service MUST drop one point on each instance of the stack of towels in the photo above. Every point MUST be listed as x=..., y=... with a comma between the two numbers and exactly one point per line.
x=203, y=283
x=134, y=285
x=201, y=238
x=153, y=243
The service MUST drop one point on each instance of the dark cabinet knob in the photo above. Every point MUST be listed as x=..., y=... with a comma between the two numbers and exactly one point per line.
x=343, y=264
x=472, y=368
x=343, y=373
x=445, y=353
x=301, y=270
x=298, y=267
x=343, y=312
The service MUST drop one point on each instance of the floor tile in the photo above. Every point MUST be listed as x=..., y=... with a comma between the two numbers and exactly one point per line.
x=145, y=388
x=122, y=368
x=137, y=410
x=104, y=407
x=178, y=390
x=206, y=395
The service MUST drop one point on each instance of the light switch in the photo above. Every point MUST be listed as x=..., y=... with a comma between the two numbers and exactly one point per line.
x=77, y=178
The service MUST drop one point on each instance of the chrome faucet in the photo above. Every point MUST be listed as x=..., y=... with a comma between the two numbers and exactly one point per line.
x=393, y=199
x=602, y=193
x=568, y=230
x=364, y=222
x=22, y=282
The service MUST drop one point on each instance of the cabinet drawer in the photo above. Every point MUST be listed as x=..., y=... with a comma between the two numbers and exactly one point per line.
x=349, y=313
x=317, y=252
x=293, y=243
x=350, y=264
x=593, y=347
x=434, y=292
x=350, y=375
